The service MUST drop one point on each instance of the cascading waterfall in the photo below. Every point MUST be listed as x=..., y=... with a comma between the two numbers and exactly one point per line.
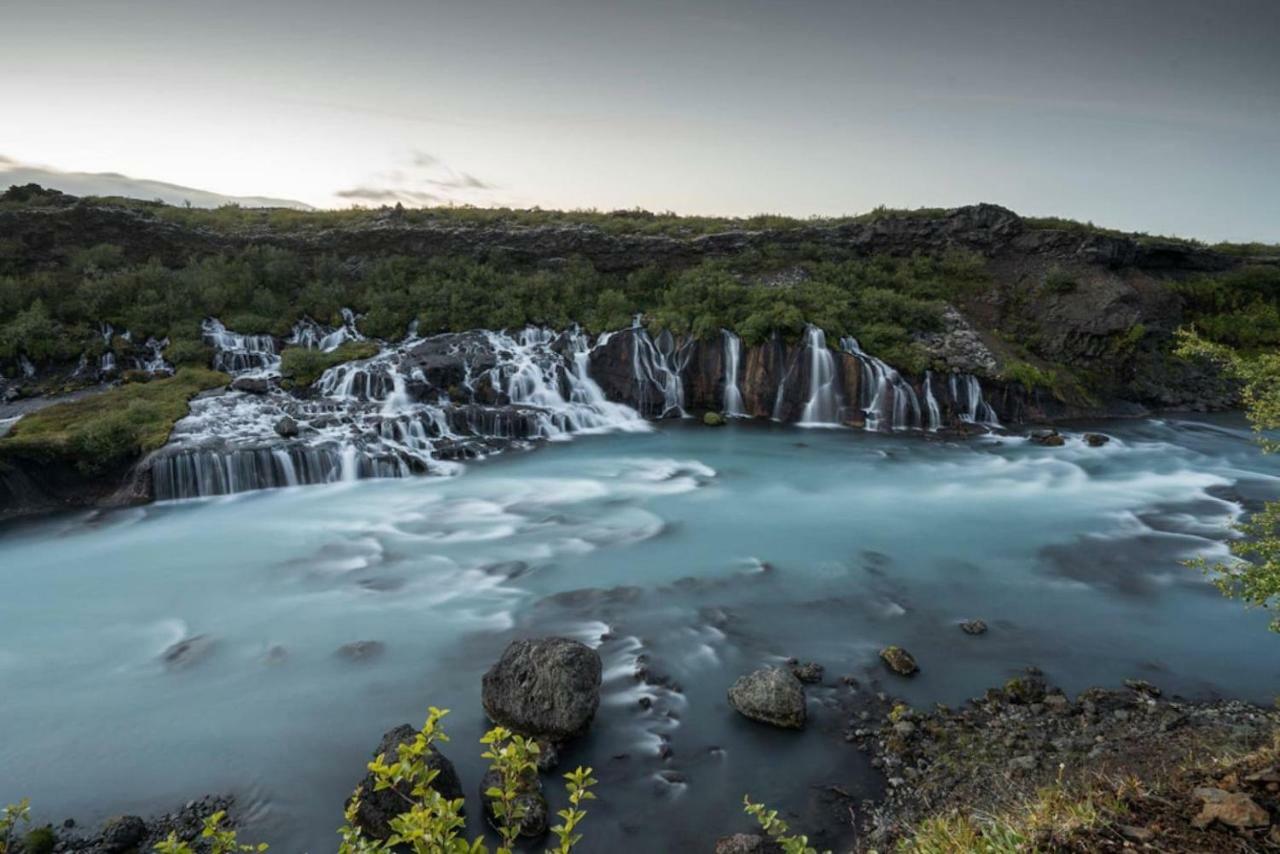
x=887, y=399
x=239, y=354
x=659, y=367
x=966, y=393
x=372, y=418
x=733, y=405
x=931, y=404
x=823, y=406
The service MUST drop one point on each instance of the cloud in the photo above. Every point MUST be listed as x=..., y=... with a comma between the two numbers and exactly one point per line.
x=423, y=180
x=116, y=184
x=388, y=195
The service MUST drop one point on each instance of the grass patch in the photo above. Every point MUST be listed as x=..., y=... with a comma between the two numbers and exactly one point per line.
x=102, y=431
x=304, y=366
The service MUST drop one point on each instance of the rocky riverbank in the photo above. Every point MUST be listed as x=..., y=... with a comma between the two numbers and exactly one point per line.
x=1105, y=770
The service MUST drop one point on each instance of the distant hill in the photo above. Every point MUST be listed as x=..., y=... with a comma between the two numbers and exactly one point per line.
x=115, y=184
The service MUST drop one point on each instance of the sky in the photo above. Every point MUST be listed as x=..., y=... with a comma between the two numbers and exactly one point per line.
x=1160, y=116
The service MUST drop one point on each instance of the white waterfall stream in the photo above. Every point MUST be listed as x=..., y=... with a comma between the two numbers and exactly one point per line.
x=823, y=406
x=733, y=404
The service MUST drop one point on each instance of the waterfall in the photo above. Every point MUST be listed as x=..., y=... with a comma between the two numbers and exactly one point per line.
x=733, y=406
x=823, y=405
x=972, y=407
x=238, y=354
x=28, y=369
x=931, y=404
x=381, y=417
x=659, y=367
x=887, y=399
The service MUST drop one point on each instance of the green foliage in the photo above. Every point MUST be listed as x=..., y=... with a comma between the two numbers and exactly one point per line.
x=40, y=840
x=305, y=366
x=11, y=818
x=1030, y=376
x=1059, y=281
x=1240, y=309
x=218, y=840
x=431, y=823
x=777, y=829
x=1253, y=573
x=105, y=430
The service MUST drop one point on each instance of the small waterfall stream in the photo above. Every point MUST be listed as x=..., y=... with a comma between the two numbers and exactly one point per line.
x=888, y=400
x=823, y=405
x=733, y=404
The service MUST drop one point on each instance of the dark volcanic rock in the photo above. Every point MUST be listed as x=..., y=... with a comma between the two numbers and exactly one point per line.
x=1096, y=440
x=122, y=833
x=770, y=695
x=1048, y=438
x=536, y=818
x=974, y=627
x=377, y=808
x=809, y=672
x=252, y=385
x=287, y=427
x=546, y=688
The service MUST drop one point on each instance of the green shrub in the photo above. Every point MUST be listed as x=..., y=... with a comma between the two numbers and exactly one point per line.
x=11, y=817
x=39, y=841
x=1059, y=281
x=304, y=366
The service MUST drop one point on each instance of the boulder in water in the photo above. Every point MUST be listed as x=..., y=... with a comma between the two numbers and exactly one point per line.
x=361, y=650
x=545, y=688
x=377, y=808
x=974, y=627
x=713, y=419
x=899, y=661
x=536, y=818
x=1096, y=440
x=287, y=427
x=770, y=695
x=1048, y=438
x=187, y=651
x=251, y=385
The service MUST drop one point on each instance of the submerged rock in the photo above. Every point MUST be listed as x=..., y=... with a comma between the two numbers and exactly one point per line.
x=187, y=651
x=545, y=687
x=770, y=695
x=377, y=808
x=536, y=818
x=808, y=672
x=1048, y=438
x=973, y=627
x=899, y=660
x=361, y=650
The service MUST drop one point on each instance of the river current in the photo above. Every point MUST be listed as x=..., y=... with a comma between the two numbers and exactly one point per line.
x=696, y=553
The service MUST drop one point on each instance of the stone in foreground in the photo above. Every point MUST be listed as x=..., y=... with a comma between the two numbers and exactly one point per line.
x=1234, y=809
x=545, y=688
x=974, y=627
x=378, y=808
x=899, y=660
x=770, y=695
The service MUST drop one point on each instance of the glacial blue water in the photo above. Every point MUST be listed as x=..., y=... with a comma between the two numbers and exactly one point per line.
x=709, y=551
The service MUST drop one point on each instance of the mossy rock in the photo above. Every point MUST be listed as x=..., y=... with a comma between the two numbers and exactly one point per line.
x=713, y=419
x=899, y=661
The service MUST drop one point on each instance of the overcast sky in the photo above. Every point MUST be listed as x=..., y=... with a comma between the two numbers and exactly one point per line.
x=1154, y=115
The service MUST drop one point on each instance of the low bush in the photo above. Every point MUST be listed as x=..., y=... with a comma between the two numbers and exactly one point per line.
x=304, y=366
